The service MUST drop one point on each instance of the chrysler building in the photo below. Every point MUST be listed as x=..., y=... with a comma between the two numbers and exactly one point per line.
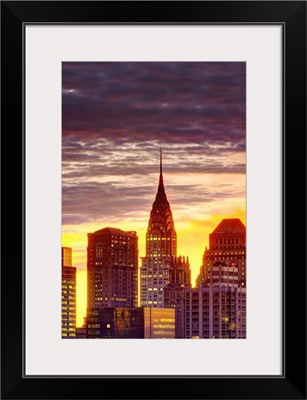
x=161, y=246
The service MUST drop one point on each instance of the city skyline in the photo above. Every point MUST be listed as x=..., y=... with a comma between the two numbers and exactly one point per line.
x=115, y=118
x=218, y=306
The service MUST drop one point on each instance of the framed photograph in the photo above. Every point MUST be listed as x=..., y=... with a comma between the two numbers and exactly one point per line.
x=162, y=151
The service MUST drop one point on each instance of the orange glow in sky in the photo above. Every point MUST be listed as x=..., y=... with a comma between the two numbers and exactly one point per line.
x=192, y=238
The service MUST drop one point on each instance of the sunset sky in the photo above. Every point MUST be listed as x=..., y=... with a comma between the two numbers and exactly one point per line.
x=115, y=117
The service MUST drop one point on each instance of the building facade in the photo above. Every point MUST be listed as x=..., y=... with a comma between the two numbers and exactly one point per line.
x=227, y=245
x=112, y=268
x=161, y=246
x=212, y=312
x=216, y=308
x=130, y=323
x=68, y=295
x=215, y=312
x=174, y=292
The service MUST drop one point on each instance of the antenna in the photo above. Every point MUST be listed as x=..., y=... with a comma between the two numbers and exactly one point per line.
x=160, y=160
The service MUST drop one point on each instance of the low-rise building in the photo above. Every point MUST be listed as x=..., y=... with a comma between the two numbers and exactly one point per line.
x=130, y=323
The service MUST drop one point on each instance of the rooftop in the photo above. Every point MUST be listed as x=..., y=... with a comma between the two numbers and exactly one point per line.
x=231, y=225
x=114, y=231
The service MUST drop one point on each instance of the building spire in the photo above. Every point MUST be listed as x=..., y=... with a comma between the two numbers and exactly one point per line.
x=160, y=160
x=161, y=185
x=161, y=223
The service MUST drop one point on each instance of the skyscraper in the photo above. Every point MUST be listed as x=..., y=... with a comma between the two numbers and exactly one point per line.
x=214, y=312
x=161, y=246
x=174, y=292
x=216, y=308
x=112, y=268
x=227, y=246
x=68, y=295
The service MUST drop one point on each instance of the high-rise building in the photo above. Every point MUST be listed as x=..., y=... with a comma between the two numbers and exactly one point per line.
x=214, y=312
x=174, y=292
x=112, y=268
x=131, y=323
x=227, y=247
x=179, y=272
x=161, y=246
x=68, y=295
x=216, y=308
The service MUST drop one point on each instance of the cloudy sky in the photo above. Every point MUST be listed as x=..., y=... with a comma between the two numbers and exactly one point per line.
x=115, y=117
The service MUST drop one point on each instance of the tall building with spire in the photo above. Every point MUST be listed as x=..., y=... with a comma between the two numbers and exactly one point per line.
x=161, y=246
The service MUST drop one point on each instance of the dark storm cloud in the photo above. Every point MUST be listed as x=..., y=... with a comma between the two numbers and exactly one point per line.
x=117, y=168
x=151, y=101
x=116, y=115
x=95, y=202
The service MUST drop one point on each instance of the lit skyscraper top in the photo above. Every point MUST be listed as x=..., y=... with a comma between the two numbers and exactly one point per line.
x=161, y=246
x=161, y=239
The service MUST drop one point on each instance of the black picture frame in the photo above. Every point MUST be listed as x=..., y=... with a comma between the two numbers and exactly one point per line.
x=292, y=16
